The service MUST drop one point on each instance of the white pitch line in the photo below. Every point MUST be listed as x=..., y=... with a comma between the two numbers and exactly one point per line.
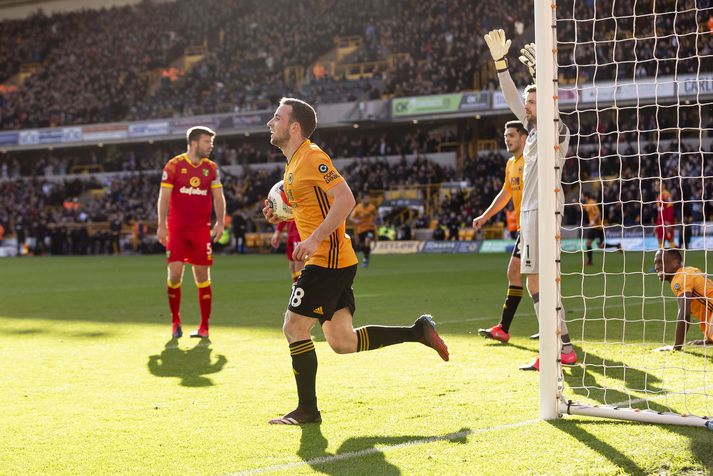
x=381, y=449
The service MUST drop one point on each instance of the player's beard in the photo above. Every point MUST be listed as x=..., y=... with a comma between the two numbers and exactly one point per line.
x=531, y=118
x=278, y=140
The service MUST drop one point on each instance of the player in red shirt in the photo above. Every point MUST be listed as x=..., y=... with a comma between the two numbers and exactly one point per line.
x=293, y=238
x=664, y=217
x=190, y=185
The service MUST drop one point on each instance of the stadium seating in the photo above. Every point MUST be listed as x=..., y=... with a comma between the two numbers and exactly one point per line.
x=167, y=59
x=114, y=64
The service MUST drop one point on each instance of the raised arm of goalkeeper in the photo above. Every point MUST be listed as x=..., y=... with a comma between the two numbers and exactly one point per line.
x=499, y=47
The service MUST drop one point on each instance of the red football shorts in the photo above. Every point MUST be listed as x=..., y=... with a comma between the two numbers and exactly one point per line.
x=190, y=246
x=290, y=248
x=665, y=231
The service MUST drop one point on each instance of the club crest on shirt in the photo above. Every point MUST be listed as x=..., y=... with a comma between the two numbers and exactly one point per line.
x=194, y=182
x=322, y=168
x=289, y=178
x=184, y=171
x=205, y=172
x=677, y=287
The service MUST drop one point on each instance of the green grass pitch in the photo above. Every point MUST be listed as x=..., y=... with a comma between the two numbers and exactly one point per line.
x=89, y=387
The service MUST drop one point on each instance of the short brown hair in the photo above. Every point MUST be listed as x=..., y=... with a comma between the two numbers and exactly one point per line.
x=195, y=133
x=516, y=125
x=303, y=114
x=531, y=88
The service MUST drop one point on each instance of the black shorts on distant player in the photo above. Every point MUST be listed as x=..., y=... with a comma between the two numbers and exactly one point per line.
x=366, y=234
x=596, y=234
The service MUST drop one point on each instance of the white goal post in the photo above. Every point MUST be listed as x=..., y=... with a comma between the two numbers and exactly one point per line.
x=618, y=374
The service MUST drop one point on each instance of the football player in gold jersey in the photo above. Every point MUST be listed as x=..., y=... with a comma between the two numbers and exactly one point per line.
x=595, y=227
x=321, y=201
x=695, y=296
x=515, y=137
x=363, y=216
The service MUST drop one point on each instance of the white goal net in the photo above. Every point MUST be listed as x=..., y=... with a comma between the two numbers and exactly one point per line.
x=635, y=87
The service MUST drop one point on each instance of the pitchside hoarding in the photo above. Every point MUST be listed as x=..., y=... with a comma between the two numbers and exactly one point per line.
x=397, y=247
x=9, y=138
x=149, y=129
x=440, y=104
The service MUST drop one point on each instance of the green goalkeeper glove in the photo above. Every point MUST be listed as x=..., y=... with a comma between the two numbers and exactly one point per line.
x=528, y=58
x=499, y=47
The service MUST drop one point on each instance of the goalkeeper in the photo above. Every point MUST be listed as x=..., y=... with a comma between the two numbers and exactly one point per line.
x=527, y=114
x=695, y=296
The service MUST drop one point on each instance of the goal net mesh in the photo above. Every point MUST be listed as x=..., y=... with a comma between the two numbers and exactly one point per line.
x=636, y=90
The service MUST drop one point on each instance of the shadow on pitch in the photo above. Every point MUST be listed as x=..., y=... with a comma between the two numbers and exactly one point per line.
x=534, y=348
x=190, y=365
x=313, y=450
x=609, y=452
x=601, y=373
x=607, y=380
x=700, y=442
x=31, y=331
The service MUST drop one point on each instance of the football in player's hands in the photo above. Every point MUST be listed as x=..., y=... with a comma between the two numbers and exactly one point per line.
x=278, y=202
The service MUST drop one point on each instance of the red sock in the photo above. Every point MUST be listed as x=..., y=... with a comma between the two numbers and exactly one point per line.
x=205, y=299
x=174, y=303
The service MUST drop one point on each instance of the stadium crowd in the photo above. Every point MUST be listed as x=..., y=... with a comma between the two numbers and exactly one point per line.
x=44, y=208
x=119, y=63
x=597, y=44
x=95, y=66
x=227, y=151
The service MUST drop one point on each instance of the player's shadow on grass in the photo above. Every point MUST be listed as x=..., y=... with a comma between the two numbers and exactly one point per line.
x=313, y=450
x=494, y=343
x=705, y=352
x=189, y=365
x=35, y=331
x=626, y=377
x=24, y=332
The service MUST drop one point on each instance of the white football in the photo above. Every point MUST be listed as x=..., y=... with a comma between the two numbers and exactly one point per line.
x=278, y=203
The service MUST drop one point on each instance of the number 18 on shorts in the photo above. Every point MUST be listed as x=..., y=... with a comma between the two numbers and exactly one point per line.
x=319, y=292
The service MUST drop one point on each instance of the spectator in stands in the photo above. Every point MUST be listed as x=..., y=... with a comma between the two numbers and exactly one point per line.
x=240, y=228
x=387, y=232
x=115, y=234
x=454, y=226
x=404, y=231
x=439, y=233
x=20, y=235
